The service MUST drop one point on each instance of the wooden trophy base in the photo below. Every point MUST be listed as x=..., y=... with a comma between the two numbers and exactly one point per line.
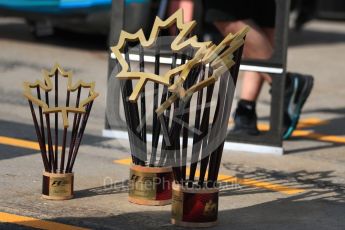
x=192, y=207
x=150, y=185
x=57, y=186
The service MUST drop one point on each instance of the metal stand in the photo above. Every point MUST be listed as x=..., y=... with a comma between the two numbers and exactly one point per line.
x=270, y=141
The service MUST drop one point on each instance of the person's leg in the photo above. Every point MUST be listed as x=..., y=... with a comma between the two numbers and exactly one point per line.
x=251, y=85
x=257, y=46
x=269, y=32
x=186, y=5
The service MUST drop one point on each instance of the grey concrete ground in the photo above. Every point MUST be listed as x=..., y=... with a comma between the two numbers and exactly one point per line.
x=314, y=165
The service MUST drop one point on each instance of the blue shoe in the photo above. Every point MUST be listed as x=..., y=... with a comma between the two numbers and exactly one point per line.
x=297, y=90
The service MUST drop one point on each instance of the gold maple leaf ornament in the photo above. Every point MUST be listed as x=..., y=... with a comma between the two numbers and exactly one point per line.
x=47, y=86
x=219, y=57
x=180, y=42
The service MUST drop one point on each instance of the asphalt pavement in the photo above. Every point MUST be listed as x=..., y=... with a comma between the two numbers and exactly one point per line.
x=304, y=189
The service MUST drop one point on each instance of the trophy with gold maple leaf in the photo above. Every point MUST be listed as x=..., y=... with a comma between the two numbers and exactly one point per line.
x=203, y=108
x=191, y=103
x=144, y=88
x=60, y=110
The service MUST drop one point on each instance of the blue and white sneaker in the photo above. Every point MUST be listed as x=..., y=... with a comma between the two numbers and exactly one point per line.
x=297, y=90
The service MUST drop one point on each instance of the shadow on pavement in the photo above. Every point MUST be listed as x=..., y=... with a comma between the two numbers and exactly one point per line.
x=304, y=211
x=332, y=131
x=9, y=226
x=298, y=179
x=27, y=132
x=315, y=147
x=314, y=37
x=322, y=206
x=114, y=188
x=335, y=126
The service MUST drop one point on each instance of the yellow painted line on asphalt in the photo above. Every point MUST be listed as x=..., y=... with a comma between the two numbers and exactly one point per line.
x=309, y=134
x=124, y=161
x=248, y=182
x=320, y=137
x=20, y=143
x=310, y=122
x=261, y=184
x=263, y=127
x=303, y=123
x=35, y=223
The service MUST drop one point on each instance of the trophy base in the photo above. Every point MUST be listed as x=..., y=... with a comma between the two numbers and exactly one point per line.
x=57, y=186
x=192, y=207
x=150, y=185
